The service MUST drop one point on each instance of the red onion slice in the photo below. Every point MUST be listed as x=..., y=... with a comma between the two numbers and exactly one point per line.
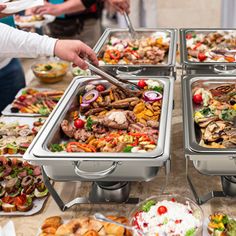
x=152, y=96
x=94, y=94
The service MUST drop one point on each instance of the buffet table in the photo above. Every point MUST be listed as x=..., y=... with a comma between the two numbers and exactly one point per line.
x=28, y=226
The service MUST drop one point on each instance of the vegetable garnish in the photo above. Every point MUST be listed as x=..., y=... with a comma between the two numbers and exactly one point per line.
x=56, y=147
x=197, y=98
x=127, y=149
x=89, y=123
x=90, y=96
x=147, y=206
x=152, y=96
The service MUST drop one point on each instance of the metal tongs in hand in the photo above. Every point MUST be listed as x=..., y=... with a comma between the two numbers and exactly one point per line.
x=129, y=88
x=130, y=26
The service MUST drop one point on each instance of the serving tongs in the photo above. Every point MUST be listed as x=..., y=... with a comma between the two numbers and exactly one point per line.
x=130, y=26
x=129, y=88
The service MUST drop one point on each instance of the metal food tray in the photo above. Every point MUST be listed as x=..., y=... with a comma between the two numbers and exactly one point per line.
x=166, y=68
x=203, y=67
x=207, y=161
x=65, y=166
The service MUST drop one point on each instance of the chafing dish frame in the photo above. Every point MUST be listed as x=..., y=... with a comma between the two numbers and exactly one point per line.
x=162, y=69
x=189, y=67
x=162, y=161
x=201, y=156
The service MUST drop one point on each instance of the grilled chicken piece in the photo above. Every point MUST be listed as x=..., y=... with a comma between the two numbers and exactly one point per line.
x=204, y=122
x=82, y=135
x=68, y=129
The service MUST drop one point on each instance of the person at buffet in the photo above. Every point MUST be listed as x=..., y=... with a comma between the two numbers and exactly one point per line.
x=77, y=19
x=17, y=43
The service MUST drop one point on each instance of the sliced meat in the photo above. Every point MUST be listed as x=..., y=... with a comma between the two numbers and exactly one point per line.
x=82, y=134
x=204, y=122
x=94, y=111
x=153, y=124
x=68, y=129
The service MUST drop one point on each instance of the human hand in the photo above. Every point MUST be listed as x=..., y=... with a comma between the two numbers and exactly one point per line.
x=2, y=7
x=48, y=8
x=120, y=5
x=75, y=51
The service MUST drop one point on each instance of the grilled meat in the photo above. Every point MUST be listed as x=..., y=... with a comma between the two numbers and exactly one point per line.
x=68, y=129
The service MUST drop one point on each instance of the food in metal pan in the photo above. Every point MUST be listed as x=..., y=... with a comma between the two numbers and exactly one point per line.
x=20, y=184
x=221, y=225
x=84, y=226
x=214, y=114
x=15, y=138
x=151, y=50
x=108, y=120
x=166, y=217
x=36, y=102
x=217, y=46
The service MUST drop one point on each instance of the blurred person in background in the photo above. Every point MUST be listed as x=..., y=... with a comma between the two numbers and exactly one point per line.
x=17, y=43
x=78, y=19
x=143, y=13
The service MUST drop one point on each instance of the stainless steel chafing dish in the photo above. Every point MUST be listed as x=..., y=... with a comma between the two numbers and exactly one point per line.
x=191, y=67
x=105, y=167
x=208, y=161
x=165, y=68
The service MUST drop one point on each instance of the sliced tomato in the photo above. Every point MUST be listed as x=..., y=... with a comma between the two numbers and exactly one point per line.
x=188, y=36
x=8, y=199
x=197, y=45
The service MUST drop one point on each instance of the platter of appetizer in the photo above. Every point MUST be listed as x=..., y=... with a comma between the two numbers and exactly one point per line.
x=84, y=226
x=219, y=224
x=36, y=21
x=16, y=134
x=22, y=191
x=33, y=102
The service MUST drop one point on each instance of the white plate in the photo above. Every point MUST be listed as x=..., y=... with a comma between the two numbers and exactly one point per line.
x=20, y=5
x=7, y=110
x=36, y=24
x=38, y=205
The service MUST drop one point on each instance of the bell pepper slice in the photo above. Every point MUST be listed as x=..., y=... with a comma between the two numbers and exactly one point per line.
x=114, y=54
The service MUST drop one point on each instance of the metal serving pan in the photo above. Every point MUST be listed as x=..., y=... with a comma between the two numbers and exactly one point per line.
x=213, y=161
x=108, y=166
x=166, y=68
x=203, y=67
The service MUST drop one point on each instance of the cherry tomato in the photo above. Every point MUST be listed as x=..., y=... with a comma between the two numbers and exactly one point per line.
x=161, y=210
x=202, y=56
x=173, y=199
x=189, y=36
x=197, y=98
x=142, y=83
x=79, y=124
x=178, y=221
x=100, y=88
x=22, y=98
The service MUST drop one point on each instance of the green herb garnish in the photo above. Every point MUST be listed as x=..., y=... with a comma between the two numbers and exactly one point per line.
x=190, y=232
x=30, y=171
x=24, y=92
x=48, y=67
x=147, y=206
x=127, y=149
x=89, y=124
x=228, y=114
x=158, y=89
x=206, y=111
x=135, y=48
x=56, y=147
x=43, y=111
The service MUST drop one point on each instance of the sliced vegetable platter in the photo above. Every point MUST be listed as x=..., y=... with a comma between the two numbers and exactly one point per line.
x=17, y=133
x=32, y=102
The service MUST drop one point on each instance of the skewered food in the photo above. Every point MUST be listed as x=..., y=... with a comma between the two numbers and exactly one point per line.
x=217, y=46
x=167, y=217
x=36, y=102
x=29, y=18
x=221, y=225
x=84, y=226
x=20, y=184
x=215, y=111
x=108, y=120
x=151, y=50
x=15, y=138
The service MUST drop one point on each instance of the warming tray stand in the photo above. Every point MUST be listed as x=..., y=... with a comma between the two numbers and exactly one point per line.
x=97, y=194
x=205, y=157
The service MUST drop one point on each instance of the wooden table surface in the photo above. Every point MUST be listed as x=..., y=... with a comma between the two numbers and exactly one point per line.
x=28, y=226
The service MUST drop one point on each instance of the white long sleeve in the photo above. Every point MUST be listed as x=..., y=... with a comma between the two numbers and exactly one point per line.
x=17, y=43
